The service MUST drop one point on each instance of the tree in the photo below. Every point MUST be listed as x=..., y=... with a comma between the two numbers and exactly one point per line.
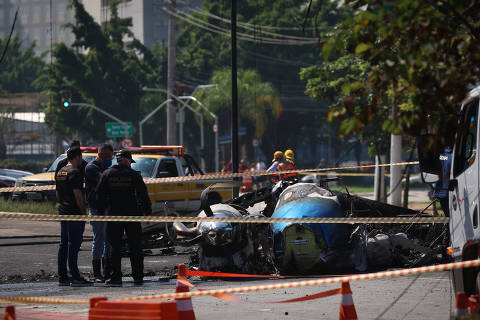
x=423, y=54
x=20, y=67
x=106, y=67
x=333, y=80
x=18, y=71
x=277, y=64
x=254, y=98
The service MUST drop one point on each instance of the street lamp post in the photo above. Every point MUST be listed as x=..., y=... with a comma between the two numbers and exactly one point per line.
x=186, y=105
x=140, y=124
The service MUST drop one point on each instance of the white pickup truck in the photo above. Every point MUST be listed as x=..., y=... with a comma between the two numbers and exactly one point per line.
x=463, y=191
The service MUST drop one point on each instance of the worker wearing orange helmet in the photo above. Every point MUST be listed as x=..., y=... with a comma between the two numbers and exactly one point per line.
x=288, y=165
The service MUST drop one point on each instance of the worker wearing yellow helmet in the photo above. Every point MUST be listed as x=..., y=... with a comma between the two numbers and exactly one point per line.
x=288, y=165
x=277, y=159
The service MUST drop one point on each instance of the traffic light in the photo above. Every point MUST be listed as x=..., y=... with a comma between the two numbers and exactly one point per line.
x=66, y=98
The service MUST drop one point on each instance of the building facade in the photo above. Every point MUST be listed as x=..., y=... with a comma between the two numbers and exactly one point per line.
x=38, y=21
x=35, y=22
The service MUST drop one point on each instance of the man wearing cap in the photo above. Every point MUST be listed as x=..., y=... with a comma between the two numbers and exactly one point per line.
x=288, y=165
x=122, y=192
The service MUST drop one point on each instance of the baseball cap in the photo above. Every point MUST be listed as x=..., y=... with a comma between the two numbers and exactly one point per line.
x=124, y=154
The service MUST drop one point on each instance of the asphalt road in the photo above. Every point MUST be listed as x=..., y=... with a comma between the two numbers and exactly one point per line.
x=425, y=296
x=28, y=252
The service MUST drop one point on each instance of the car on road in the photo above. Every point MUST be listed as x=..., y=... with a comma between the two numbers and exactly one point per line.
x=151, y=162
x=46, y=178
x=168, y=162
x=13, y=173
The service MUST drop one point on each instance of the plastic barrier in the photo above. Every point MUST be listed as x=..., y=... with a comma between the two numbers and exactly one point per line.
x=102, y=309
x=348, y=220
x=216, y=176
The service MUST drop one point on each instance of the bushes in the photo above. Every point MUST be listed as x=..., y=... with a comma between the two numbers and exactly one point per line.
x=32, y=166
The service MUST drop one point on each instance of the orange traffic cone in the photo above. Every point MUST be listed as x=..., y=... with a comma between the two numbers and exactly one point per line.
x=461, y=306
x=347, y=308
x=184, y=306
x=474, y=302
x=9, y=313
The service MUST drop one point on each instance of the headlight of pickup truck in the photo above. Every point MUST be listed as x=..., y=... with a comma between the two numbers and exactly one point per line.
x=20, y=183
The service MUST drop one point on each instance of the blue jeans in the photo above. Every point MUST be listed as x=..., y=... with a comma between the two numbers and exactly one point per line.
x=100, y=245
x=71, y=237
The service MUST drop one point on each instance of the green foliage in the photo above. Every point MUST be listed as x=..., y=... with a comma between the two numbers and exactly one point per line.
x=421, y=53
x=254, y=97
x=335, y=81
x=19, y=68
x=40, y=207
x=101, y=68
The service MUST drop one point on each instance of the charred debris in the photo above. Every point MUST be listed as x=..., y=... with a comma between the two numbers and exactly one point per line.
x=297, y=249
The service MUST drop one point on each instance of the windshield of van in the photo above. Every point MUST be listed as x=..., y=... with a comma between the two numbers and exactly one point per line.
x=142, y=164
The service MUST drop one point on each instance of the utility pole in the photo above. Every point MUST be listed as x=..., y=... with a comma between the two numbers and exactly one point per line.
x=234, y=93
x=395, y=157
x=171, y=110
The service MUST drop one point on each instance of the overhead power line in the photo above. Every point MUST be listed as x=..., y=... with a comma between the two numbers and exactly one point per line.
x=299, y=28
x=254, y=27
x=242, y=36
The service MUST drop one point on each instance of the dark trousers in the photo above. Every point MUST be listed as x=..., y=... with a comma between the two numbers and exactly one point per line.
x=115, y=232
x=71, y=237
x=445, y=206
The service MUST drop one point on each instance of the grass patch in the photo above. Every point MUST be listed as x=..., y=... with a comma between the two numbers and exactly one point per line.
x=28, y=206
x=353, y=188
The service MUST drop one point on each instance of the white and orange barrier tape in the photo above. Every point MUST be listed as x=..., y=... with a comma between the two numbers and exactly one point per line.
x=347, y=220
x=316, y=282
x=217, y=176
x=285, y=285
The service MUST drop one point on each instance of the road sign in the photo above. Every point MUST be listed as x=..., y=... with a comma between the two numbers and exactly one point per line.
x=126, y=143
x=215, y=128
x=117, y=130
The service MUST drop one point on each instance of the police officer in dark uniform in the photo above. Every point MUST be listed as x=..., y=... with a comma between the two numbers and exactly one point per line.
x=122, y=192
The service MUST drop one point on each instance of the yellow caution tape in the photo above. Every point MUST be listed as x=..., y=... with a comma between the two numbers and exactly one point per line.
x=216, y=176
x=348, y=220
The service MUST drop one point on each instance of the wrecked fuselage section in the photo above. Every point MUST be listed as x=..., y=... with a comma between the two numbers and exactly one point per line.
x=306, y=248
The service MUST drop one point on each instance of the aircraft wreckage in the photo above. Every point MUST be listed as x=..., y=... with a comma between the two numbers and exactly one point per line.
x=306, y=248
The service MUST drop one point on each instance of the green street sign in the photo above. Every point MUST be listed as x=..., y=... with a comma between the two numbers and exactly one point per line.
x=117, y=130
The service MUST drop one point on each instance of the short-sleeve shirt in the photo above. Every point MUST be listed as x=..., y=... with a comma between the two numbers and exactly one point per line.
x=68, y=179
x=93, y=172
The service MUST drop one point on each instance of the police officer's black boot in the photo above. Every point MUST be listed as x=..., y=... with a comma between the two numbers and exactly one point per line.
x=106, y=268
x=97, y=271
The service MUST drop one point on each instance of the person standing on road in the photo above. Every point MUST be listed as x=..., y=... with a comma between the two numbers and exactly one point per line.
x=100, y=245
x=62, y=163
x=288, y=165
x=121, y=192
x=69, y=188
